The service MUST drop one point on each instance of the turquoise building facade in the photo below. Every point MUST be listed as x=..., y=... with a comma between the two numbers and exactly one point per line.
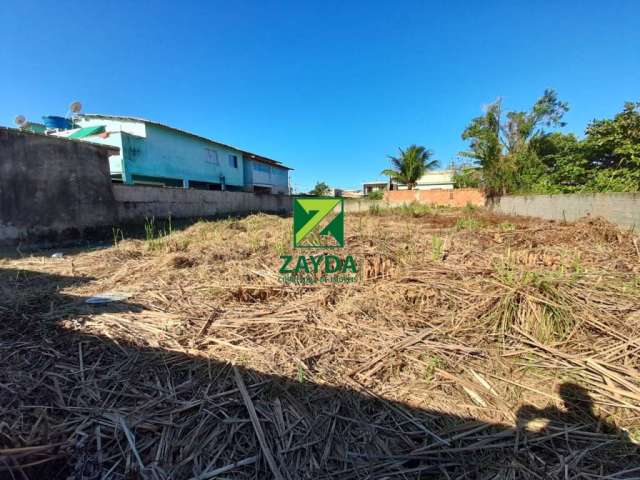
x=155, y=154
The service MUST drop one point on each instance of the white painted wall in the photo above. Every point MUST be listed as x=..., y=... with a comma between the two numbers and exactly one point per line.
x=437, y=179
x=112, y=125
x=114, y=139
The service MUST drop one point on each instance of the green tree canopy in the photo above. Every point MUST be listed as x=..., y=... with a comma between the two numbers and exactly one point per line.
x=606, y=160
x=502, y=144
x=321, y=189
x=516, y=155
x=564, y=167
x=467, y=176
x=612, y=148
x=410, y=165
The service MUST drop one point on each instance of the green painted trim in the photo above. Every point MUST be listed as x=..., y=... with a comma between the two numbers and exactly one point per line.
x=87, y=131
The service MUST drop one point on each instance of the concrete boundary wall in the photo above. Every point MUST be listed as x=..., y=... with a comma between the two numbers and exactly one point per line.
x=357, y=205
x=136, y=202
x=52, y=190
x=620, y=208
x=56, y=190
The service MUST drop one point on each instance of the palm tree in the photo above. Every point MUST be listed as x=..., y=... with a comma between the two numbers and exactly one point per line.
x=410, y=165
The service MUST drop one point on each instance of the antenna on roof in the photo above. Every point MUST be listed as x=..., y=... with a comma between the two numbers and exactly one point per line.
x=20, y=121
x=75, y=107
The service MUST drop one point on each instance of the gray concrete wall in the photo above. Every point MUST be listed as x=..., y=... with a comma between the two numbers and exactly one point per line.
x=52, y=189
x=620, y=208
x=55, y=190
x=136, y=202
x=356, y=205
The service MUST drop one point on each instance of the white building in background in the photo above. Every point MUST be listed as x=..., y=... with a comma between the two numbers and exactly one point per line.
x=375, y=186
x=434, y=179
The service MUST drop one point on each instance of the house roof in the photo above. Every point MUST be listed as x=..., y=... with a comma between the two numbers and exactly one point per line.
x=376, y=182
x=260, y=158
x=253, y=156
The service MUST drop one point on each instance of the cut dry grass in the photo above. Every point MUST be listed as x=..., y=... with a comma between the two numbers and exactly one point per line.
x=506, y=350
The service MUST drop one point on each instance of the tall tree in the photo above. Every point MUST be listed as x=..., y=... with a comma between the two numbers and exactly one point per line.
x=607, y=160
x=483, y=135
x=612, y=147
x=565, y=168
x=321, y=189
x=410, y=165
x=502, y=147
x=467, y=176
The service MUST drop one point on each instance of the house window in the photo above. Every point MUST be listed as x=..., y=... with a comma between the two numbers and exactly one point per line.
x=233, y=161
x=261, y=167
x=212, y=156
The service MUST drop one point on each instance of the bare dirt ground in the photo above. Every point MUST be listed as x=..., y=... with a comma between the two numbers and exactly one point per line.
x=475, y=346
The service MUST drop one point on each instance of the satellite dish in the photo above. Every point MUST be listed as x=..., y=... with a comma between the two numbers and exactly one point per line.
x=20, y=120
x=75, y=107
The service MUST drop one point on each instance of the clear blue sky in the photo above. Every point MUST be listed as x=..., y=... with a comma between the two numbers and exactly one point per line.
x=327, y=87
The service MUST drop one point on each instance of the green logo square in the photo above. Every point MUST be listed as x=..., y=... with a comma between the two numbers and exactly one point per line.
x=318, y=222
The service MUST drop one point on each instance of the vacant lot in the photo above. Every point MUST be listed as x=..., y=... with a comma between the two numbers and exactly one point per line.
x=475, y=346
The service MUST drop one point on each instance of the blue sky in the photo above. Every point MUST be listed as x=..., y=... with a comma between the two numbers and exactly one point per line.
x=329, y=88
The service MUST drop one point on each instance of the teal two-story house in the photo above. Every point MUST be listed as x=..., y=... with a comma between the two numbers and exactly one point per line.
x=155, y=154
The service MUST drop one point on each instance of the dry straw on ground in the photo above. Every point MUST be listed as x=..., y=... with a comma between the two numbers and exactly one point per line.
x=476, y=346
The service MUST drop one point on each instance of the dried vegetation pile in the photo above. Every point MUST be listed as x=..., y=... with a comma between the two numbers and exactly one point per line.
x=476, y=346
